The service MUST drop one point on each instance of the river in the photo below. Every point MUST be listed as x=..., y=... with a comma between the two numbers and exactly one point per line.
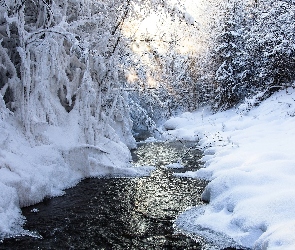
x=120, y=213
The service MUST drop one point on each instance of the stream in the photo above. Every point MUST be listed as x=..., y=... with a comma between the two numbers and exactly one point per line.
x=120, y=213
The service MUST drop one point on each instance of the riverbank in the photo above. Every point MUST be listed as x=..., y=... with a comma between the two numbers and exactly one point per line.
x=249, y=159
x=34, y=168
x=120, y=213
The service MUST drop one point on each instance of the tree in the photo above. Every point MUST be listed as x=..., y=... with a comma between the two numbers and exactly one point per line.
x=163, y=69
x=64, y=59
x=271, y=43
x=252, y=52
x=230, y=57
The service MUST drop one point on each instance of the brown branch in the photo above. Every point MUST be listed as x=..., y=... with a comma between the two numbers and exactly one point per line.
x=122, y=19
x=119, y=25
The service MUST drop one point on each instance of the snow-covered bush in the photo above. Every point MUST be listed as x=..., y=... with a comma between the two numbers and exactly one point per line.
x=63, y=113
x=64, y=59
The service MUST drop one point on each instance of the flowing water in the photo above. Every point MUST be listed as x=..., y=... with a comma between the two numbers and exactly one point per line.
x=120, y=213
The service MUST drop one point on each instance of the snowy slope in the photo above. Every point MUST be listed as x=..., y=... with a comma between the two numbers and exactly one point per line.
x=34, y=168
x=249, y=158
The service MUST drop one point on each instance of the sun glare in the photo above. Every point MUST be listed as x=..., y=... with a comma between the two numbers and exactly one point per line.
x=158, y=33
x=152, y=83
x=160, y=28
x=131, y=76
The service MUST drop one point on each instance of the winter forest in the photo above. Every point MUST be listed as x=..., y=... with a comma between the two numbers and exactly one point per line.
x=78, y=79
x=111, y=63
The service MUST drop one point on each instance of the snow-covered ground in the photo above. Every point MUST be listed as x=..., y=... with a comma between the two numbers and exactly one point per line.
x=248, y=157
x=250, y=161
x=32, y=168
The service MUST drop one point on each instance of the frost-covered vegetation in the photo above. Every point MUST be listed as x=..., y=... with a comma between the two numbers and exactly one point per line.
x=64, y=113
x=254, y=51
x=59, y=58
x=233, y=50
x=64, y=108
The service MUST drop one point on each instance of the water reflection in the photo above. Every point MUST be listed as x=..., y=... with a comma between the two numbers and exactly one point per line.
x=119, y=213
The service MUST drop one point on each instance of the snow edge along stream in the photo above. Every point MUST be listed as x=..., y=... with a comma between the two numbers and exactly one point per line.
x=32, y=169
x=249, y=160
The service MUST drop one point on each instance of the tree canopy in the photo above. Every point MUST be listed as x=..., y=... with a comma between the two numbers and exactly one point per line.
x=100, y=60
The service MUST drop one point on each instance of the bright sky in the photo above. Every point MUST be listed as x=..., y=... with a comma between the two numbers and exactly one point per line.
x=158, y=24
x=162, y=30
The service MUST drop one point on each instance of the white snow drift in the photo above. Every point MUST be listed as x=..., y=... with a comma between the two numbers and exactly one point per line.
x=30, y=171
x=249, y=159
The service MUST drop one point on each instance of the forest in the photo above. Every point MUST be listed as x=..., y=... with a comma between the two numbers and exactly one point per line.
x=98, y=59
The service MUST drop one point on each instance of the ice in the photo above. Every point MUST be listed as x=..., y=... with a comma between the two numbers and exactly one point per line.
x=249, y=160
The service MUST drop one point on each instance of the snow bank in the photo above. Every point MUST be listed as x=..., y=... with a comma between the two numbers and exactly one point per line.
x=174, y=165
x=249, y=158
x=32, y=168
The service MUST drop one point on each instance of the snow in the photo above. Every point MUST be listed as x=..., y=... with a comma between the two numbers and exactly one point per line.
x=188, y=18
x=250, y=162
x=55, y=159
x=150, y=140
x=248, y=158
x=174, y=165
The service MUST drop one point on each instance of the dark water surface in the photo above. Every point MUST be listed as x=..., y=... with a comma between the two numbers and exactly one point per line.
x=119, y=213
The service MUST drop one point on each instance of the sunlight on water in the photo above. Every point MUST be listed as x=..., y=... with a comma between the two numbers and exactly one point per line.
x=120, y=213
